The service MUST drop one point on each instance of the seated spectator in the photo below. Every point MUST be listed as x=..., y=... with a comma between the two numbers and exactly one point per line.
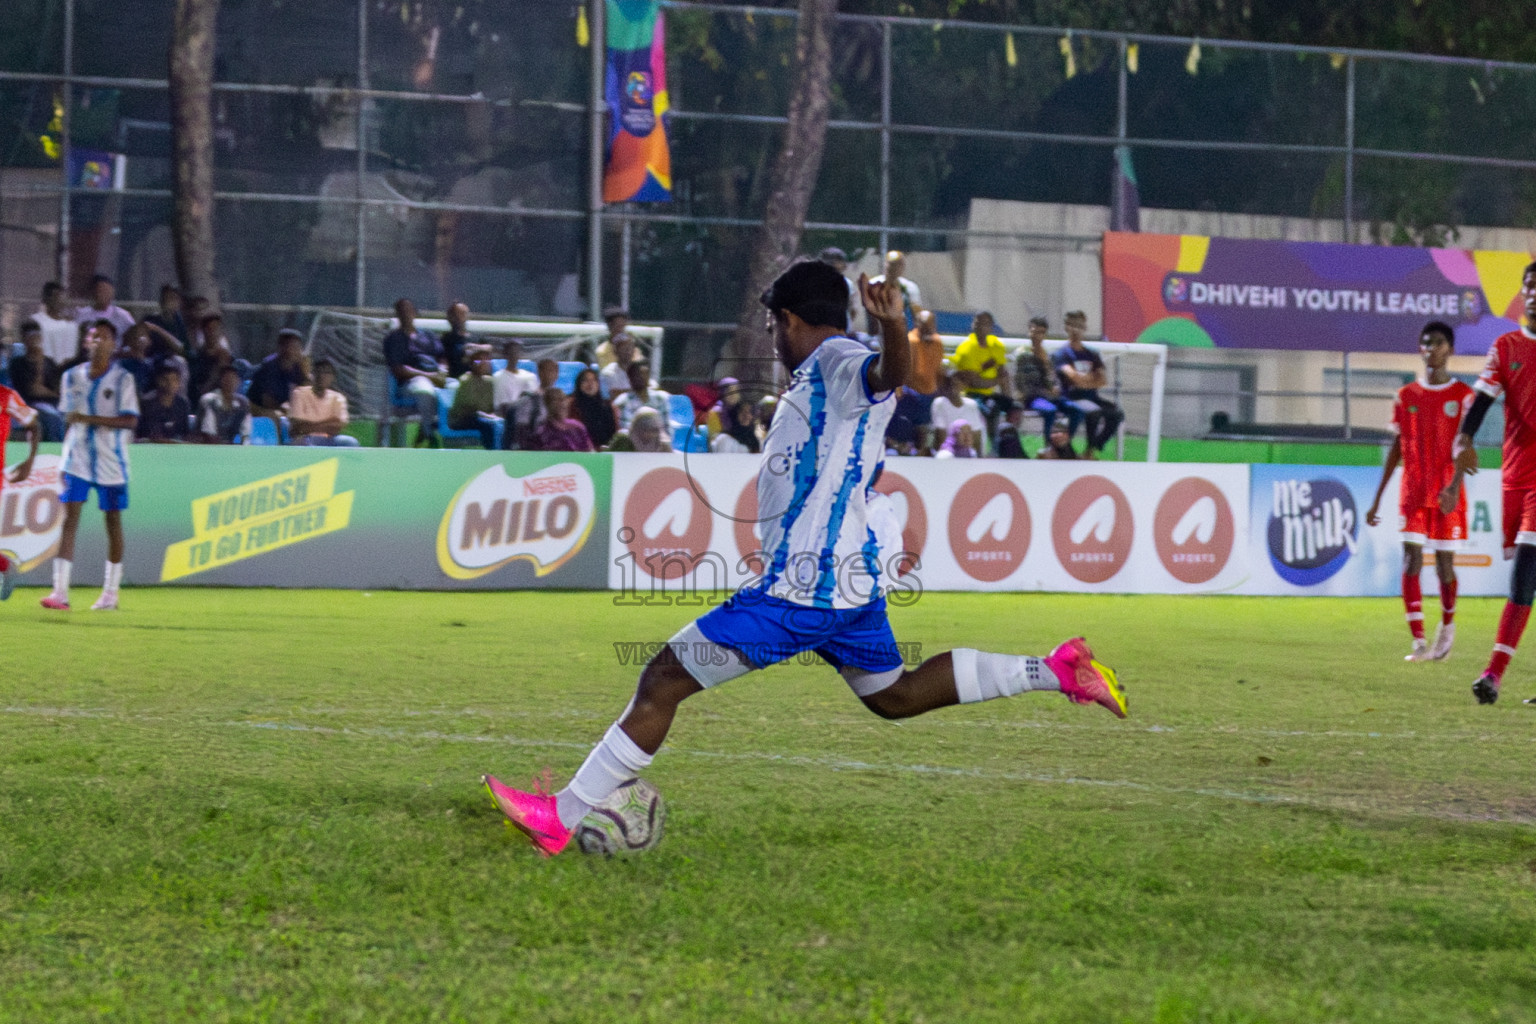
x=102, y=307
x=317, y=413
x=952, y=405
x=170, y=320
x=617, y=319
x=460, y=347
x=738, y=432
x=1036, y=383
x=900, y=436
x=980, y=364
x=588, y=406
x=135, y=359
x=415, y=360
x=927, y=355
x=557, y=433
x=1058, y=445
x=766, y=407
x=515, y=398
x=474, y=401
x=1081, y=370
x=640, y=396
x=166, y=350
x=959, y=442
x=82, y=347
x=1008, y=444
x=224, y=414
x=274, y=380
x=615, y=376
x=211, y=352
x=728, y=391
x=61, y=332
x=205, y=371
x=36, y=378
x=838, y=260
x=647, y=433
x=165, y=411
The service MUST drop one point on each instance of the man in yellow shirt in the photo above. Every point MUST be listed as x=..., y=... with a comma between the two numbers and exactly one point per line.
x=980, y=365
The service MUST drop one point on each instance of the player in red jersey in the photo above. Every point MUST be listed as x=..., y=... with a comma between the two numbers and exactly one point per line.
x=1425, y=419
x=13, y=407
x=1511, y=370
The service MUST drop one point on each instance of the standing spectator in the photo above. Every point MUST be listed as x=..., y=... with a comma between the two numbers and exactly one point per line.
x=474, y=399
x=617, y=319
x=614, y=379
x=1058, y=444
x=165, y=412
x=646, y=433
x=317, y=413
x=839, y=261
x=224, y=415
x=1008, y=444
x=35, y=377
x=103, y=291
x=952, y=406
x=1081, y=370
x=640, y=396
x=274, y=380
x=169, y=318
x=415, y=360
x=557, y=433
x=594, y=412
x=959, y=442
x=981, y=366
x=61, y=331
x=1037, y=386
x=134, y=358
x=895, y=267
x=461, y=348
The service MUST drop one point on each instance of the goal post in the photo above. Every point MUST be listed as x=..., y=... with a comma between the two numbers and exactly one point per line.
x=1137, y=379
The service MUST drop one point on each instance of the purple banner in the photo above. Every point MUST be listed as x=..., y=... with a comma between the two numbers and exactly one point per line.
x=1197, y=291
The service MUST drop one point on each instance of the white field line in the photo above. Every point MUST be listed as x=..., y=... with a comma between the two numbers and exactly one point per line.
x=831, y=763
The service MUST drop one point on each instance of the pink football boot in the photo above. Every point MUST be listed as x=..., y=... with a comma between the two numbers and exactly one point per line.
x=533, y=814
x=1084, y=680
x=56, y=603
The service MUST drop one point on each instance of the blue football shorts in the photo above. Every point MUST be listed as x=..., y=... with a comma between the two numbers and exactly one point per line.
x=110, y=497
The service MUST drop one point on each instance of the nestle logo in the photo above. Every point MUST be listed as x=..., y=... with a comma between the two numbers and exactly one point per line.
x=549, y=485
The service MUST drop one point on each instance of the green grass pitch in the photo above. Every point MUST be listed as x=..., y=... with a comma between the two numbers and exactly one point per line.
x=258, y=805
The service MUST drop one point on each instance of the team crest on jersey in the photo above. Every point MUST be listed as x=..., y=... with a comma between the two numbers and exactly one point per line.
x=1515, y=366
x=107, y=394
x=1452, y=407
x=1413, y=410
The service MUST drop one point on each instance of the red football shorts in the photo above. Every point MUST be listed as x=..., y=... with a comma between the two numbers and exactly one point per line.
x=1435, y=530
x=1519, y=519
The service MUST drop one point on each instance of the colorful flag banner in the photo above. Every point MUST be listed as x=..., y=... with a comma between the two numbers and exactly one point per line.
x=639, y=167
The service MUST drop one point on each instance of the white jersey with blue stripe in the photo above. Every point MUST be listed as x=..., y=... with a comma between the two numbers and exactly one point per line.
x=98, y=454
x=827, y=437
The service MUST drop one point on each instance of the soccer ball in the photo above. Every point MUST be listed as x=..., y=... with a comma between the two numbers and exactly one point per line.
x=629, y=821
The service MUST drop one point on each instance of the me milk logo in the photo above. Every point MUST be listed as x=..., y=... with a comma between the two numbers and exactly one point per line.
x=544, y=517
x=1194, y=530
x=31, y=516
x=1092, y=529
x=989, y=528
x=666, y=525
x=1312, y=529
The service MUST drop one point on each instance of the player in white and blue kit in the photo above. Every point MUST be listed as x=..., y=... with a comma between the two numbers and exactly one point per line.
x=101, y=405
x=821, y=589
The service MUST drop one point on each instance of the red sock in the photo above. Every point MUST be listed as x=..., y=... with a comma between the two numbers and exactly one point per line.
x=5, y=563
x=1511, y=625
x=1413, y=600
x=1447, y=602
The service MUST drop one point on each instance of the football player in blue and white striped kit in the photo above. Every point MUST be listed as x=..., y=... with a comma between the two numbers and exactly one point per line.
x=100, y=404
x=821, y=589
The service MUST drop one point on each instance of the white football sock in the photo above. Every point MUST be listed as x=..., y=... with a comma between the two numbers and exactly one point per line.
x=113, y=578
x=61, y=568
x=981, y=676
x=613, y=762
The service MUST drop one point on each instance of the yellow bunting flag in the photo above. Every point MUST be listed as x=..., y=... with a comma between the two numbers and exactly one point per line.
x=1066, y=53
x=1012, y=53
x=1192, y=62
x=1336, y=60
x=583, y=30
x=1133, y=57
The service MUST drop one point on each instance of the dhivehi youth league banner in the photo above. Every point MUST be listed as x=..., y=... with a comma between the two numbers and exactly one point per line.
x=639, y=168
x=1198, y=291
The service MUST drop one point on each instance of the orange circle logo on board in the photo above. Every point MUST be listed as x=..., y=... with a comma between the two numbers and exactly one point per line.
x=1092, y=529
x=665, y=524
x=989, y=527
x=1193, y=530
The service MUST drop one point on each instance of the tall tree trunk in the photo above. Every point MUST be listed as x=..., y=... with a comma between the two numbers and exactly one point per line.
x=749, y=355
x=191, y=79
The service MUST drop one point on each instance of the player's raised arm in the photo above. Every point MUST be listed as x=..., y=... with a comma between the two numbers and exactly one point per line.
x=883, y=302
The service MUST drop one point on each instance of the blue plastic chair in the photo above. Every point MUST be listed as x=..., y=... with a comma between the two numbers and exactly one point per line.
x=400, y=407
x=681, y=409
x=447, y=433
x=263, y=431
x=569, y=371
x=497, y=365
x=528, y=364
x=692, y=440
